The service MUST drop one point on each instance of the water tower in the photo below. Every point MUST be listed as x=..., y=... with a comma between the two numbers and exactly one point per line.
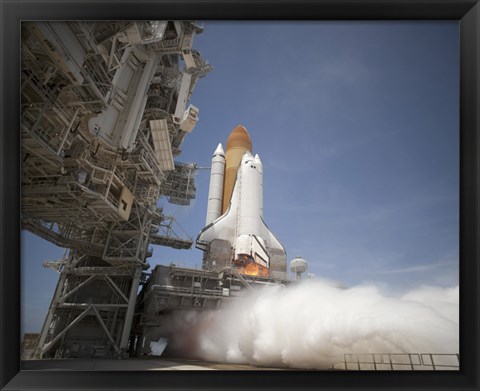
x=298, y=266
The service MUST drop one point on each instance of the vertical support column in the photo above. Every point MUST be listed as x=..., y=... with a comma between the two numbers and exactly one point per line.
x=67, y=131
x=142, y=244
x=127, y=325
x=51, y=311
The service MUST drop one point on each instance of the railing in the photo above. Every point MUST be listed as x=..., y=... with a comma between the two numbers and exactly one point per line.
x=188, y=291
x=399, y=361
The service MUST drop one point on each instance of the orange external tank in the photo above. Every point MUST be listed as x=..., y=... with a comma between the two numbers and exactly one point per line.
x=237, y=144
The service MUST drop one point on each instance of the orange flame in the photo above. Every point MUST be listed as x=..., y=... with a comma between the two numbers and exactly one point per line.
x=246, y=265
x=254, y=269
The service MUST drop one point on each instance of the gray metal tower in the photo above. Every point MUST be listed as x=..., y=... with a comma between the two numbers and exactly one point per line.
x=103, y=117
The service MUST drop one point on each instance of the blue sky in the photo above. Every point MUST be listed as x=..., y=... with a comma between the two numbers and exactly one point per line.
x=356, y=124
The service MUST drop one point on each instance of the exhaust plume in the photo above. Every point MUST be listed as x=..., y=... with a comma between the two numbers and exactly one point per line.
x=312, y=325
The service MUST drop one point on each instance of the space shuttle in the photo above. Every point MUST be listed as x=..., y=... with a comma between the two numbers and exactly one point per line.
x=235, y=233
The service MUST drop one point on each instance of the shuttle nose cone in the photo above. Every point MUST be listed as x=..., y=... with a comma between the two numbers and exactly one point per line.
x=239, y=138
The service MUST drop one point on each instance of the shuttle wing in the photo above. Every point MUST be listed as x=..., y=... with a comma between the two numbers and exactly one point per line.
x=223, y=227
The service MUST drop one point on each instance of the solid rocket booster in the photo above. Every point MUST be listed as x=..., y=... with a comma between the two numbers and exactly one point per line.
x=241, y=224
x=215, y=192
x=237, y=144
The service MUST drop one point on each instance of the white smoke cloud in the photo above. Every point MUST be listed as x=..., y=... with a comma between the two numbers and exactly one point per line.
x=313, y=324
x=442, y=300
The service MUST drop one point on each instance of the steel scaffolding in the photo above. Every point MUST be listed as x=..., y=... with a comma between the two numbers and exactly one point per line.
x=91, y=170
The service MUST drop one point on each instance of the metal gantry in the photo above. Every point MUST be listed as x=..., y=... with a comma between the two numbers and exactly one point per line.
x=173, y=289
x=104, y=113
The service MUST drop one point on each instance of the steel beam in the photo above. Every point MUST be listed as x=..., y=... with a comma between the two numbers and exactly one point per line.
x=130, y=310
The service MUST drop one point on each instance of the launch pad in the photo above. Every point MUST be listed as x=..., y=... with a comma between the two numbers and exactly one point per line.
x=172, y=288
x=104, y=114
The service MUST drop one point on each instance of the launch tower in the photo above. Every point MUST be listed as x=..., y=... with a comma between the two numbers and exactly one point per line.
x=104, y=113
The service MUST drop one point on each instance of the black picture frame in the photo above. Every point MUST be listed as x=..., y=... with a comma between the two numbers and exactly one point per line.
x=467, y=12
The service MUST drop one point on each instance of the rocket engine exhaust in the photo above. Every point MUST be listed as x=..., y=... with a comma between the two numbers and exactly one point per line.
x=313, y=324
x=247, y=265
